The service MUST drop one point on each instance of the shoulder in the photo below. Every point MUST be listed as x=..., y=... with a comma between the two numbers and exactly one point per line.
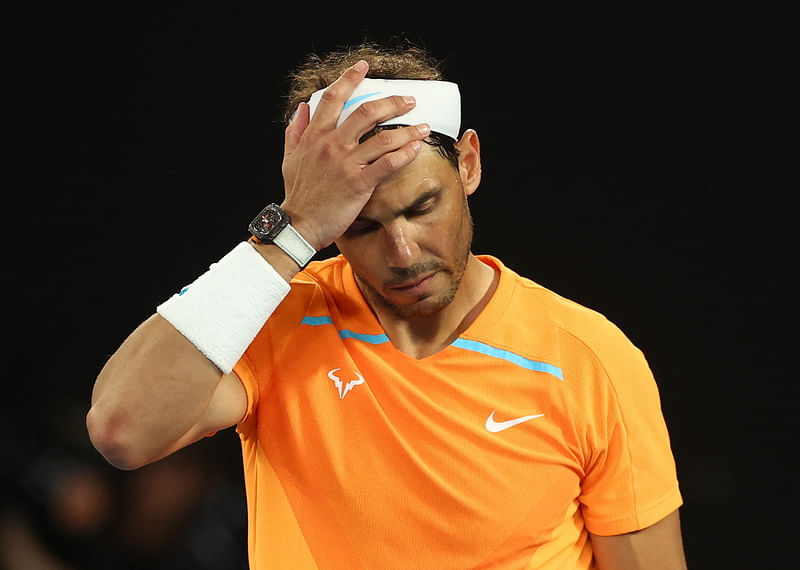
x=318, y=279
x=312, y=294
x=328, y=285
x=322, y=273
x=541, y=324
x=541, y=311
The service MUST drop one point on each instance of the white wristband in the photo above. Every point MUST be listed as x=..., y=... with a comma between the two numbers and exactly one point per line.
x=223, y=310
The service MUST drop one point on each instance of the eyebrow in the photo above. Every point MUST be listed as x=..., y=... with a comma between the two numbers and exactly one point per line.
x=421, y=199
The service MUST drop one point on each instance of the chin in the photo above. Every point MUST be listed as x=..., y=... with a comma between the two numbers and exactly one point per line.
x=424, y=307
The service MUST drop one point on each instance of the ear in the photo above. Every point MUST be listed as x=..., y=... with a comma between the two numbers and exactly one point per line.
x=469, y=161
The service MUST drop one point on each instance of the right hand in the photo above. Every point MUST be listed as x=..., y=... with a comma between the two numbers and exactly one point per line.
x=328, y=175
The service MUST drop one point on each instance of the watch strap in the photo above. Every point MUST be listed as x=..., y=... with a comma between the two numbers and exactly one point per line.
x=294, y=245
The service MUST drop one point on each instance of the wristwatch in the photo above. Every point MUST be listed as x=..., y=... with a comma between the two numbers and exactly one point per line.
x=273, y=225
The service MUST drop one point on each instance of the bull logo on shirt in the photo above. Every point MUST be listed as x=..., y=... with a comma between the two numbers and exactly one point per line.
x=344, y=388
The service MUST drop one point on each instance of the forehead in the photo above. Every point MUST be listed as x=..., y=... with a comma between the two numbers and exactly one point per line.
x=429, y=171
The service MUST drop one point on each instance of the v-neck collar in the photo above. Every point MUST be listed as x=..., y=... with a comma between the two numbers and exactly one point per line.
x=492, y=313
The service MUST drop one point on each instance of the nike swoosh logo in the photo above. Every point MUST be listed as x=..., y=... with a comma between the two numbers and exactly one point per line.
x=495, y=427
x=358, y=99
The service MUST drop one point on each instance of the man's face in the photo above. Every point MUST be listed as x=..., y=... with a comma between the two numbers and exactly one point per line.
x=410, y=244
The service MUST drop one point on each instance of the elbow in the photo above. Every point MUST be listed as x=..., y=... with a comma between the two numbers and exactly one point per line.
x=113, y=440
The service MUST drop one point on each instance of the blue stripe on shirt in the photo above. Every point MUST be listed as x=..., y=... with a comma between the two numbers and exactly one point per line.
x=345, y=333
x=508, y=356
x=461, y=343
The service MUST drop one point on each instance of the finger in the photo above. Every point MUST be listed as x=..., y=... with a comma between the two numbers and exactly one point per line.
x=391, y=162
x=336, y=94
x=389, y=140
x=368, y=115
x=296, y=127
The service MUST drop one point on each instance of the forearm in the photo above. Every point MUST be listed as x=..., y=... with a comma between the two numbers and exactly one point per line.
x=149, y=394
x=161, y=391
x=657, y=547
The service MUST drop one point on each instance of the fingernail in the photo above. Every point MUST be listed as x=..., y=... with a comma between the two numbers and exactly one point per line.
x=409, y=99
x=361, y=66
x=423, y=129
x=416, y=145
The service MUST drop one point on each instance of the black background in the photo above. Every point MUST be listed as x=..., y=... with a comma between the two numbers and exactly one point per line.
x=634, y=161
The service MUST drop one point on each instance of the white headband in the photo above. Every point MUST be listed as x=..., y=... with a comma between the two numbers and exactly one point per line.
x=438, y=102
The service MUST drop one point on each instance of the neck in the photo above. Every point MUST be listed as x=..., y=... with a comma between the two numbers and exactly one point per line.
x=423, y=335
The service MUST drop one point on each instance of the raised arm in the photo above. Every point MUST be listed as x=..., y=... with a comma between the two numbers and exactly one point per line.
x=159, y=392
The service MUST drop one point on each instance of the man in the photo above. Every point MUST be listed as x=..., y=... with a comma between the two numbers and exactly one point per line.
x=406, y=404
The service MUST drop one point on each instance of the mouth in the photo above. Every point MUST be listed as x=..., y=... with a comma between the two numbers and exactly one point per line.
x=417, y=286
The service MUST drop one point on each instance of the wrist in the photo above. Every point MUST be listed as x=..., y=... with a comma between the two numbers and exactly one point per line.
x=306, y=229
x=222, y=311
x=273, y=225
x=283, y=264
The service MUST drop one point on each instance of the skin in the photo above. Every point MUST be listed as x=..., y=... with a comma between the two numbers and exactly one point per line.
x=402, y=220
x=657, y=547
x=410, y=251
x=394, y=267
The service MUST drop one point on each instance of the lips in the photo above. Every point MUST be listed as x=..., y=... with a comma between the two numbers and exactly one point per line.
x=413, y=284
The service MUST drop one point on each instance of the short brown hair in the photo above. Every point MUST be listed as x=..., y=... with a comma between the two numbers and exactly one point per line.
x=403, y=61
x=399, y=61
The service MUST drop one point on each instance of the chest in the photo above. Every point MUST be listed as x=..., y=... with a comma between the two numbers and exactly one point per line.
x=476, y=438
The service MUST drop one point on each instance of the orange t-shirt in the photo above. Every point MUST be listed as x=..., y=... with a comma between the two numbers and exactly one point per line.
x=539, y=424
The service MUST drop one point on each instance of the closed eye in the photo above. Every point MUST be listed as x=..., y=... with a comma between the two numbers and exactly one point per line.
x=418, y=212
x=360, y=227
x=423, y=205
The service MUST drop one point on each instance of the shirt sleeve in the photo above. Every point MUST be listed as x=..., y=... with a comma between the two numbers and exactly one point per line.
x=247, y=374
x=630, y=481
x=265, y=352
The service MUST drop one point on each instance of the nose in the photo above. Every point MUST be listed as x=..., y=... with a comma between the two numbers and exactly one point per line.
x=402, y=249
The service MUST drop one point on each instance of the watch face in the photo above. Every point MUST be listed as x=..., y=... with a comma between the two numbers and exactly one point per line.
x=268, y=223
